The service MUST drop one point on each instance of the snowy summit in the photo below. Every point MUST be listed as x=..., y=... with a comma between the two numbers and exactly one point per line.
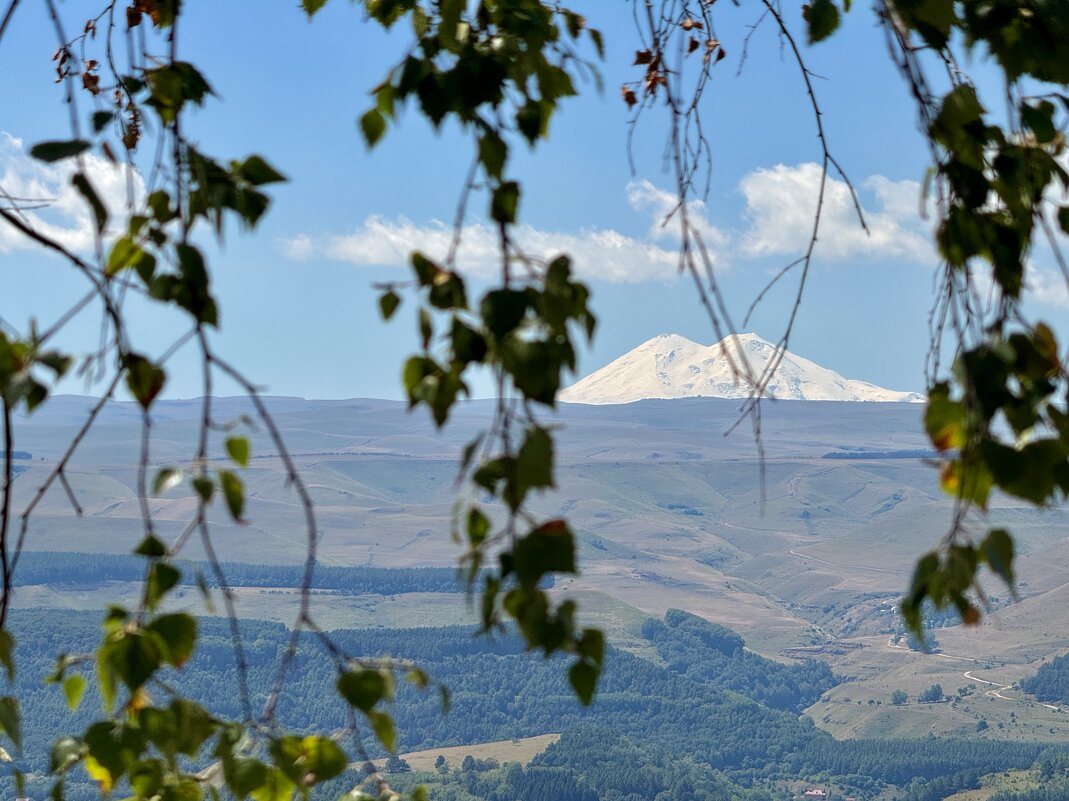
x=671, y=366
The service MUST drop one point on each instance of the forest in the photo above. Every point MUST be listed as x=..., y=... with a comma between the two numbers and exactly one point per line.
x=1050, y=683
x=63, y=568
x=715, y=721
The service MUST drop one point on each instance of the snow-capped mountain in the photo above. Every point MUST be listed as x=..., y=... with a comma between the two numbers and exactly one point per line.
x=671, y=366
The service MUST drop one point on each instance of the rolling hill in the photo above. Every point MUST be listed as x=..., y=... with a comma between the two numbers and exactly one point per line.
x=805, y=554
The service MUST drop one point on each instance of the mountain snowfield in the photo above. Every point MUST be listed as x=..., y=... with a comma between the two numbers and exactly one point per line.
x=671, y=366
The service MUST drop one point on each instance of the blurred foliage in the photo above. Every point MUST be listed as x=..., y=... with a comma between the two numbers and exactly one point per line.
x=499, y=70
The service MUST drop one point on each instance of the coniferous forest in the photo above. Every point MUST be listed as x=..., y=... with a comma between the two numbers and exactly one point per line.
x=713, y=721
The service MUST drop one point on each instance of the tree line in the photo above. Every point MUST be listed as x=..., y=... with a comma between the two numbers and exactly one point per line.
x=52, y=567
x=736, y=732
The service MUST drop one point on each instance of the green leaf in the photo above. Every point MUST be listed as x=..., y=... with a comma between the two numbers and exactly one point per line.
x=162, y=577
x=178, y=634
x=66, y=751
x=426, y=270
x=108, y=755
x=191, y=292
x=193, y=725
x=373, y=126
x=146, y=778
x=124, y=253
x=584, y=680
x=388, y=303
x=167, y=478
x=238, y=448
x=308, y=760
x=385, y=730
x=822, y=19
x=920, y=588
x=1029, y=472
x=311, y=8
x=598, y=40
x=478, y=527
x=932, y=19
x=493, y=152
x=534, y=462
x=535, y=366
x=944, y=419
x=447, y=291
x=505, y=202
x=451, y=11
x=233, y=492
x=363, y=689
x=550, y=548
x=99, y=774
x=258, y=172
x=204, y=487
x=135, y=658
x=106, y=677
x=7, y=651
x=144, y=379
x=533, y=118
x=160, y=204
x=86, y=190
x=957, y=126
x=997, y=551
x=426, y=328
x=591, y=646
x=490, y=472
x=1040, y=119
x=503, y=310
x=243, y=775
x=469, y=345
x=173, y=85
x=58, y=150
x=101, y=120
x=54, y=361
x=967, y=479
x=418, y=678
x=276, y=787
x=416, y=369
x=10, y=720
x=74, y=688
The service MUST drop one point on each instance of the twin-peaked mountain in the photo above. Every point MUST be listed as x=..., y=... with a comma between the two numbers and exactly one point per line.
x=671, y=366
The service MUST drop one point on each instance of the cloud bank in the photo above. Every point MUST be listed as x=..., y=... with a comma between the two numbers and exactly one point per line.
x=53, y=206
x=598, y=253
x=777, y=220
x=781, y=200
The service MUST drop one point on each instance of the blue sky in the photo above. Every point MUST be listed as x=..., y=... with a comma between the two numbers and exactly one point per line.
x=298, y=311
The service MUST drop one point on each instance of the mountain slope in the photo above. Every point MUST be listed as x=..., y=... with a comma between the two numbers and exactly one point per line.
x=671, y=366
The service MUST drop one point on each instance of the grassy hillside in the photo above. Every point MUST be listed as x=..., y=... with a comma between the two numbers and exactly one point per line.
x=805, y=554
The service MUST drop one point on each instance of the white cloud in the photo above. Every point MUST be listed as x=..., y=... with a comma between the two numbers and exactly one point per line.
x=1044, y=284
x=1048, y=287
x=298, y=248
x=778, y=219
x=65, y=216
x=659, y=203
x=597, y=253
x=781, y=200
x=603, y=254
